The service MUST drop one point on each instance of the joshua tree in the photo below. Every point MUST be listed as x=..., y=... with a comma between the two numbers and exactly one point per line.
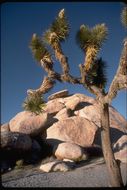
x=92, y=74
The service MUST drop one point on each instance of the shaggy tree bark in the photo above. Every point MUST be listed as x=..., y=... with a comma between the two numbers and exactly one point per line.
x=112, y=164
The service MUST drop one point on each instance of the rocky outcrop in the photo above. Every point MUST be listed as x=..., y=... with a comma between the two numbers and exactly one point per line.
x=29, y=123
x=60, y=109
x=69, y=151
x=75, y=129
x=83, y=109
x=67, y=119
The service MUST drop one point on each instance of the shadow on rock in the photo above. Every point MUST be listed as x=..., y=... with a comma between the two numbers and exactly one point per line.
x=114, y=133
x=81, y=105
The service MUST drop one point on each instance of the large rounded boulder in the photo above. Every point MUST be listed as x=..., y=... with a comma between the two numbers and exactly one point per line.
x=17, y=141
x=29, y=123
x=69, y=151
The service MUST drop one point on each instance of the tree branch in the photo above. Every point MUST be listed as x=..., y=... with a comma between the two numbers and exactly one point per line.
x=92, y=89
x=66, y=77
x=47, y=64
x=120, y=79
x=58, y=53
x=46, y=85
x=65, y=67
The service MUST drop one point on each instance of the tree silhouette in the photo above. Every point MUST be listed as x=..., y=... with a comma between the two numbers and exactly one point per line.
x=93, y=76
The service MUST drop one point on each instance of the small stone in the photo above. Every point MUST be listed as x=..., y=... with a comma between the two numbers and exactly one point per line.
x=9, y=169
x=19, y=162
x=55, y=166
x=67, y=160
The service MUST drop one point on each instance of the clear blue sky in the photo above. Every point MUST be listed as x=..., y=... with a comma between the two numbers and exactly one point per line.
x=19, y=71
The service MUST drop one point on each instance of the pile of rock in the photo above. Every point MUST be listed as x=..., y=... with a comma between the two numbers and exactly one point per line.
x=69, y=125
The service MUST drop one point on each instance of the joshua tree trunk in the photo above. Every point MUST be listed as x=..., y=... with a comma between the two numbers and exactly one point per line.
x=112, y=165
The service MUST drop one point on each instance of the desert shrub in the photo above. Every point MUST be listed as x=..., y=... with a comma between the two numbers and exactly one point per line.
x=34, y=103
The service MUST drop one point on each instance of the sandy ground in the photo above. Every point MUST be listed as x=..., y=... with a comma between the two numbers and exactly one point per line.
x=90, y=174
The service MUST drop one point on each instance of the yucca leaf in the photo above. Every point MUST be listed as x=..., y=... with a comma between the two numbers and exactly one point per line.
x=34, y=103
x=60, y=26
x=83, y=35
x=91, y=37
x=99, y=34
x=38, y=48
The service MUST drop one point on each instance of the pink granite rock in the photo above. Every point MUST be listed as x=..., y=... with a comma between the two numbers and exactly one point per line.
x=120, y=149
x=75, y=129
x=69, y=151
x=29, y=123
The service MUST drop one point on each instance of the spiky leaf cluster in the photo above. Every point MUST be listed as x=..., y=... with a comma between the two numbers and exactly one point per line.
x=59, y=26
x=97, y=74
x=124, y=16
x=50, y=37
x=34, y=103
x=38, y=48
x=91, y=37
